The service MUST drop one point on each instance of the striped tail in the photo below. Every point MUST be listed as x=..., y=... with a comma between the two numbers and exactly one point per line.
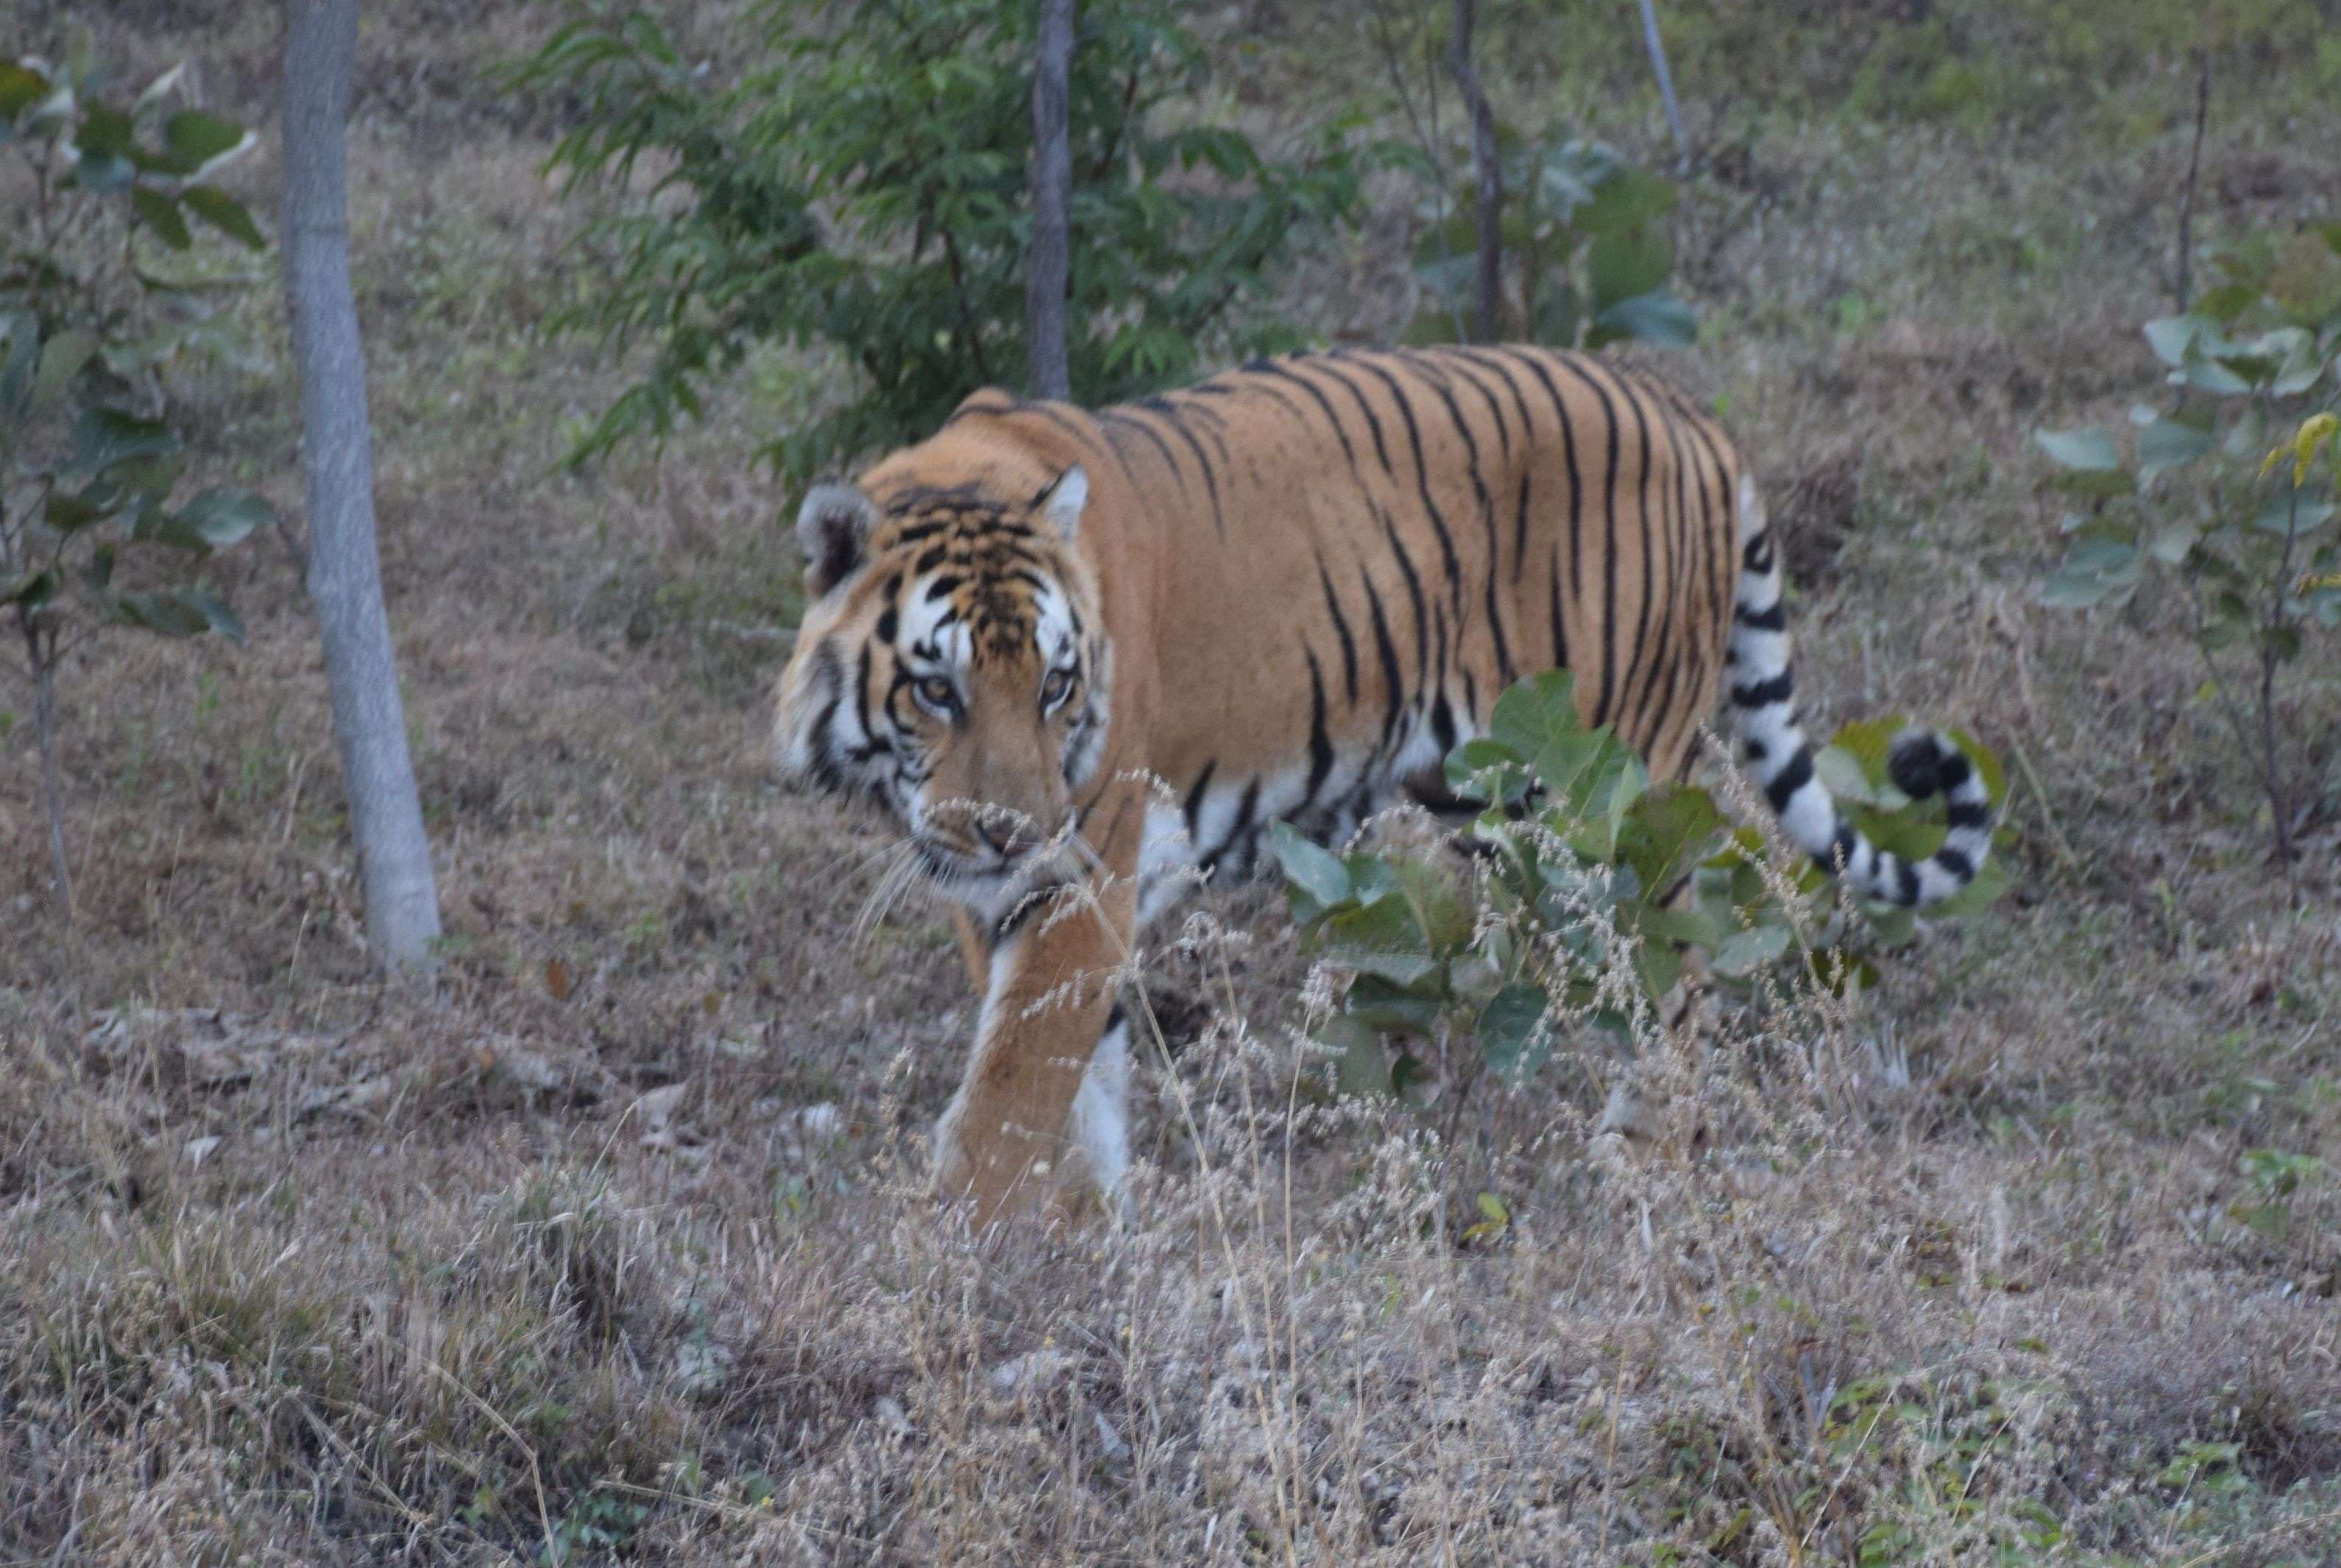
x=1764, y=707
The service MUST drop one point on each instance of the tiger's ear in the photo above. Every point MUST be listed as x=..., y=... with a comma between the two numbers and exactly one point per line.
x=1063, y=501
x=833, y=530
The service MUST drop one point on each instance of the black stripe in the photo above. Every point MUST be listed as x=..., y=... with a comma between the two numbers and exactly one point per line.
x=1392, y=682
x=1486, y=516
x=1340, y=629
x=1780, y=688
x=1458, y=363
x=1168, y=415
x=1719, y=584
x=1381, y=514
x=1953, y=770
x=1841, y=849
x=1576, y=480
x=1906, y=883
x=1968, y=813
x=1245, y=808
x=1448, y=557
x=1774, y=617
x=1956, y=862
x=1560, y=628
x=1521, y=527
x=1195, y=800
x=1601, y=709
x=1791, y=778
x=1496, y=368
x=1113, y=418
x=1381, y=448
x=1321, y=744
x=1442, y=725
x=1648, y=658
x=1264, y=367
x=1692, y=648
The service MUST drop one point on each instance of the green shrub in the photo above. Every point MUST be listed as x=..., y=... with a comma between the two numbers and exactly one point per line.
x=2215, y=497
x=862, y=186
x=97, y=296
x=1590, y=887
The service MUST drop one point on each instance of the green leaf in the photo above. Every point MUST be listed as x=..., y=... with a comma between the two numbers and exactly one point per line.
x=1380, y=1004
x=1656, y=317
x=199, y=138
x=168, y=614
x=21, y=330
x=31, y=590
x=62, y=359
x=2291, y=510
x=2166, y=444
x=2093, y=569
x=225, y=514
x=160, y=214
x=1311, y=869
x=2171, y=337
x=1363, y=1068
x=1744, y=952
x=105, y=437
x=1532, y=712
x=222, y=620
x=1628, y=263
x=1513, y=1037
x=1667, y=832
x=1380, y=938
x=224, y=212
x=104, y=129
x=2090, y=451
x=21, y=87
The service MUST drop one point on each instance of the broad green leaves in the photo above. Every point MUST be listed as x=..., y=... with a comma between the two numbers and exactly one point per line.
x=1587, y=242
x=1592, y=885
x=87, y=477
x=2251, y=370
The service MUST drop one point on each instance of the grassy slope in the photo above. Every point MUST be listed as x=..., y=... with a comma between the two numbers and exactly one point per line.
x=333, y=1274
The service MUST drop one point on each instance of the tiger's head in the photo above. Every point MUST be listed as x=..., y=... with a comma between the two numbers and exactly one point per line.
x=954, y=668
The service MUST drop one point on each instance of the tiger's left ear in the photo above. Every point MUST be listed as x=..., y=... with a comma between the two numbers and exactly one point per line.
x=1063, y=501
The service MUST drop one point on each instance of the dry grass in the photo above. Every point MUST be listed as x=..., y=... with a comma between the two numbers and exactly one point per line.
x=611, y=1244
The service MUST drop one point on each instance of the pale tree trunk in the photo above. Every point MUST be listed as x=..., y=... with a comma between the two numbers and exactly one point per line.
x=1045, y=284
x=1489, y=176
x=401, y=903
x=1666, y=82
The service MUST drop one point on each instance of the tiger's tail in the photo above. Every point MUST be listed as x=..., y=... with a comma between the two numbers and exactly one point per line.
x=1764, y=711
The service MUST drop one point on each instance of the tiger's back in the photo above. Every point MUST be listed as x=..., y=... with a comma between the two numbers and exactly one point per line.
x=1353, y=555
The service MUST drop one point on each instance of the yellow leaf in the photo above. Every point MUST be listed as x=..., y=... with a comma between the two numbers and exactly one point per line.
x=2315, y=433
x=558, y=979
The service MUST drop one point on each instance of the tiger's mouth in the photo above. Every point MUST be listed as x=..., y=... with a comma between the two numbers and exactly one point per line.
x=984, y=871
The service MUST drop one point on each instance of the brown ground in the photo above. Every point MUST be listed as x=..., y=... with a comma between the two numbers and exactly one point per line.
x=611, y=1243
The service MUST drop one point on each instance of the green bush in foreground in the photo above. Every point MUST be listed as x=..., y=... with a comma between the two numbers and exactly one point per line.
x=1591, y=887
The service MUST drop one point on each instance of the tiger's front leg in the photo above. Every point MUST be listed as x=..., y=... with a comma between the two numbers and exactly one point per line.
x=1041, y=1111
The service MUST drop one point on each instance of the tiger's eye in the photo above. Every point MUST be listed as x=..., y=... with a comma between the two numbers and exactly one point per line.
x=938, y=693
x=1056, y=688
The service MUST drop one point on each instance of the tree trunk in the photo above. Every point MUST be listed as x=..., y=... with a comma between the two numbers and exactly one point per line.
x=1486, y=322
x=1045, y=285
x=402, y=902
x=1666, y=82
x=53, y=789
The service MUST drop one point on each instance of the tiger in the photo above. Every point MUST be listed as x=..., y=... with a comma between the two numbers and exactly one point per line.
x=1086, y=659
